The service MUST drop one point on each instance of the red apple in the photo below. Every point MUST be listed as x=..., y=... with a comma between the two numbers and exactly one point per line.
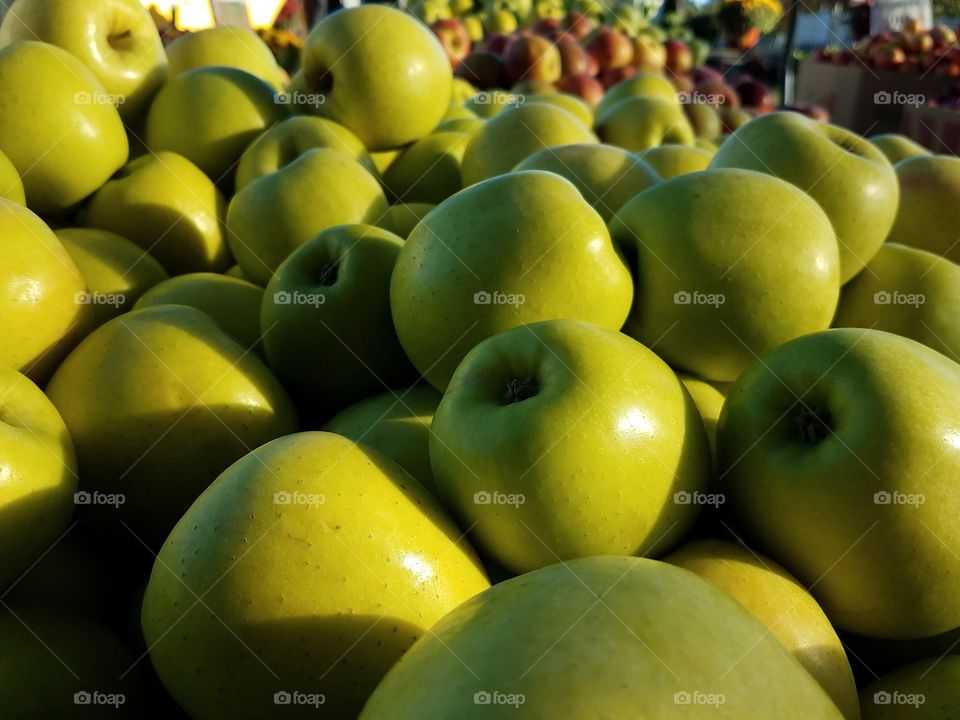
x=755, y=95
x=610, y=47
x=532, y=58
x=679, y=58
x=496, y=43
x=583, y=86
x=913, y=26
x=593, y=67
x=702, y=74
x=482, y=70
x=577, y=24
x=547, y=27
x=718, y=94
x=573, y=58
x=844, y=57
x=682, y=83
x=612, y=76
x=943, y=36
x=919, y=44
x=887, y=57
x=454, y=37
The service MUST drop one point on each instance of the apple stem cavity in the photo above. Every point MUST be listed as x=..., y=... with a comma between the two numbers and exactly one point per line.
x=813, y=424
x=519, y=390
x=120, y=40
x=328, y=274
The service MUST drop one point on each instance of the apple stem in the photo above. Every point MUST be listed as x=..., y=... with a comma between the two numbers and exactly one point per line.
x=813, y=424
x=519, y=390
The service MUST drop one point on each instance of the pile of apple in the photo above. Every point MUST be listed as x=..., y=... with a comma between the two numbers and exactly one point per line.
x=914, y=50
x=357, y=398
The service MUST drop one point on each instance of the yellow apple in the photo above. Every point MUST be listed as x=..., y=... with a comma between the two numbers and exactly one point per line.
x=640, y=122
x=11, y=186
x=645, y=84
x=429, y=170
x=571, y=103
x=402, y=218
x=709, y=402
x=929, y=209
x=225, y=46
x=672, y=160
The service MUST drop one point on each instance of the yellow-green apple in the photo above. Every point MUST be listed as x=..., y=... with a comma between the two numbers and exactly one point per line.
x=927, y=689
x=485, y=70
x=451, y=287
x=453, y=36
x=642, y=84
x=115, y=270
x=637, y=123
x=461, y=91
x=329, y=304
x=58, y=126
x=396, y=424
x=225, y=46
x=649, y=55
x=462, y=125
x=573, y=58
x=233, y=303
x=704, y=120
x=517, y=133
x=486, y=104
x=571, y=103
x=716, y=285
x=327, y=603
x=609, y=47
x=170, y=208
x=532, y=58
x=383, y=159
x=897, y=147
x=709, y=145
x=11, y=186
x=43, y=308
x=272, y=216
x=210, y=115
x=500, y=22
x=158, y=401
x=732, y=119
x=473, y=24
x=845, y=173
x=847, y=439
x=709, y=402
x=59, y=665
x=929, y=210
x=679, y=59
x=401, y=218
x=606, y=176
x=289, y=139
x=783, y=605
x=382, y=74
x=429, y=170
x=520, y=410
x=39, y=471
x=528, y=88
x=432, y=10
x=457, y=111
x=669, y=161
x=584, y=86
x=909, y=292
x=541, y=646
x=116, y=39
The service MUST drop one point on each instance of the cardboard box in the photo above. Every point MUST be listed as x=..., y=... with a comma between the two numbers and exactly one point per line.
x=936, y=128
x=865, y=100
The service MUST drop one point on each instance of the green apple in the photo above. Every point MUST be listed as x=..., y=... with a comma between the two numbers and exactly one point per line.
x=54, y=665
x=929, y=210
x=451, y=287
x=402, y=218
x=158, y=401
x=210, y=115
x=645, y=84
x=897, y=147
x=115, y=270
x=396, y=424
x=784, y=607
x=429, y=170
x=288, y=579
x=846, y=439
x=705, y=122
x=709, y=402
x=924, y=690
x=607, y=637
x=846, y=174
x=456, y=111
x=707, y=145
x=116, y=39
x=170, y=208
x=289, y=139
x=490, y=103
x=516, y=133
x=380, y=72
x=11, y=186
x=463, y=125
x=382, y=160
x=39, y=471
x=57, y=126
x=274, y=215
x=328, y=306
x=43, y=308
x=225, y=46
x=236, y=271
x=909, y=292
x=644, y=121
x=605, y=175
x=233, y=303
x=672, y=160
x=571, y=103
x=728, y=264
x=461, y=91
x=522, y=411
